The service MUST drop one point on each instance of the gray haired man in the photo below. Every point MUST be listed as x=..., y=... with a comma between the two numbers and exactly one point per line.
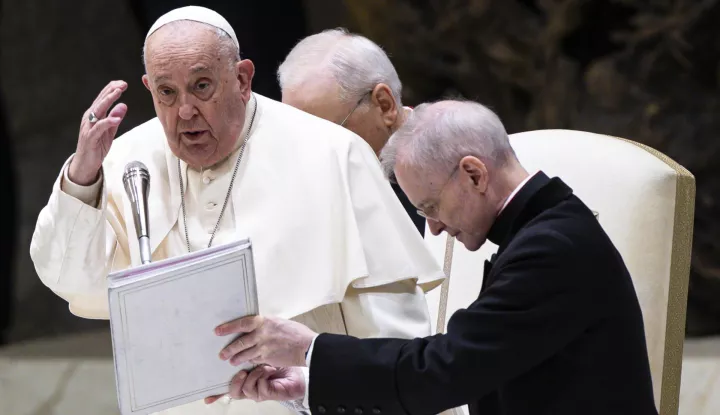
x=348, y=79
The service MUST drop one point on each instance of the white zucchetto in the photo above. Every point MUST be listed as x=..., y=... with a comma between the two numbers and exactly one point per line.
x=197, y=14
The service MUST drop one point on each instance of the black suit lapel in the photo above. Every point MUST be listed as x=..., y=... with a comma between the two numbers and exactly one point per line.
x=486, y=270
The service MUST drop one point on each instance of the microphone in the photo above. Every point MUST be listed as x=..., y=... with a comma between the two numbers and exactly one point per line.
x=136, y=180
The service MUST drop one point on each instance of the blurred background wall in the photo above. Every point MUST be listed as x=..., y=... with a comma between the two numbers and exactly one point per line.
x=643, y=70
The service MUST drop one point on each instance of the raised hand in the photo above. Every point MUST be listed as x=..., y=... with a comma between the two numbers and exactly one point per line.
x=97, y=131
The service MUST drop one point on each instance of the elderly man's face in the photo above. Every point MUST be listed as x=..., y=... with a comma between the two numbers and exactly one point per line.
x=456, y=203
x=371, y=118
x=199, y=94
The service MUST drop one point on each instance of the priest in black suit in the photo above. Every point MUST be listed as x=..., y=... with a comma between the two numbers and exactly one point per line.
x=556, y=329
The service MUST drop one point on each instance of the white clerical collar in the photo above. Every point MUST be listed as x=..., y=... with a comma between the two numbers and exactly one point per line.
x=517, y=189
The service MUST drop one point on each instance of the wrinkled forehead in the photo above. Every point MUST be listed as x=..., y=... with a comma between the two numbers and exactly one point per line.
x=181, y=38
x=182, y=51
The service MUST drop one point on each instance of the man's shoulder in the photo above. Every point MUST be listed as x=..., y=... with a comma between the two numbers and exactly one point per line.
x=568, y=232
x=291, y=124
x=550, y=251
x=574, y=221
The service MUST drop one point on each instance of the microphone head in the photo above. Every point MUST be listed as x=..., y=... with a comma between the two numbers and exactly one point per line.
x=136, y=168
x=136, y=180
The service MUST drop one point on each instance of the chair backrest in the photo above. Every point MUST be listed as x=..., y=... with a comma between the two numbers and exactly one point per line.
x=644, y=201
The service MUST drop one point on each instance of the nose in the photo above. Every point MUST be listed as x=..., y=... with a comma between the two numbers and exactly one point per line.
x=187, y=107
x=436, y=227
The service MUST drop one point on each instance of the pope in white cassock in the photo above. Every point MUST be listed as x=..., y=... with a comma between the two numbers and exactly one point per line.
x=333, y=247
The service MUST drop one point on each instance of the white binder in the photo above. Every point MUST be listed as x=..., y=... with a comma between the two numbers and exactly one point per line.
x=162, y=319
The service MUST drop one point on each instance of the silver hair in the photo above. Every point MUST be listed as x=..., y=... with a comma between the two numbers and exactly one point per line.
x=355, y=62
x=437, y=136
x=226, y=46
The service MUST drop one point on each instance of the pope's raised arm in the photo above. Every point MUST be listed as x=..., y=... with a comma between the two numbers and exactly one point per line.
x=73, y=244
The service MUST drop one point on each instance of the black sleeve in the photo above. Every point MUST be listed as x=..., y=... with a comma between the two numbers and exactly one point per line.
x=538, y=301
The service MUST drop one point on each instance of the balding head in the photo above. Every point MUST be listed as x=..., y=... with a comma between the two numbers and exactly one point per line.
x=454, y=161
x=347, y=79
x=437, y=135
x=353, y=62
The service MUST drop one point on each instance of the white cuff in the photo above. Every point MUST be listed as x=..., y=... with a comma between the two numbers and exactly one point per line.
x=295, y=406
x=309, y=352
x=306, y=374
x=306, y=399
x=86, y=194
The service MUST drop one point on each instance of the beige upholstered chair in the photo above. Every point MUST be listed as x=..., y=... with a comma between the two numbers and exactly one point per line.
x=644, y=201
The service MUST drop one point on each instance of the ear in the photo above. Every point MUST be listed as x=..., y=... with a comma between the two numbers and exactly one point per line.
x=476, y=171
x=146, y=82
x=245, y=71
x=383, y=98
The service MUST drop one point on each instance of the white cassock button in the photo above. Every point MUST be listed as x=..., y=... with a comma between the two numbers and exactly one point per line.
x=210, y=206
x=210, y=230
x=206, y=180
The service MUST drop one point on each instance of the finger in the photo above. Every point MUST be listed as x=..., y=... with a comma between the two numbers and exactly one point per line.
x=101, y=108
x=118, y=111
x=212, y=399
x=104, y=125
x=236, y=385
x=250, y=388
x=241, y=325
x=238, y=345
x=109, y=89
x=122, y=85
x=264, y=390
x=249, y=355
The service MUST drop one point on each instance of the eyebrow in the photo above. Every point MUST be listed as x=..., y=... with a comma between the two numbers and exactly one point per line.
x=199, y=68
x=194, y=70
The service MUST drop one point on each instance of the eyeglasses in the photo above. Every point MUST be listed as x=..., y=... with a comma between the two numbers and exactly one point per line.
x=436, y=208
x=357, y=104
